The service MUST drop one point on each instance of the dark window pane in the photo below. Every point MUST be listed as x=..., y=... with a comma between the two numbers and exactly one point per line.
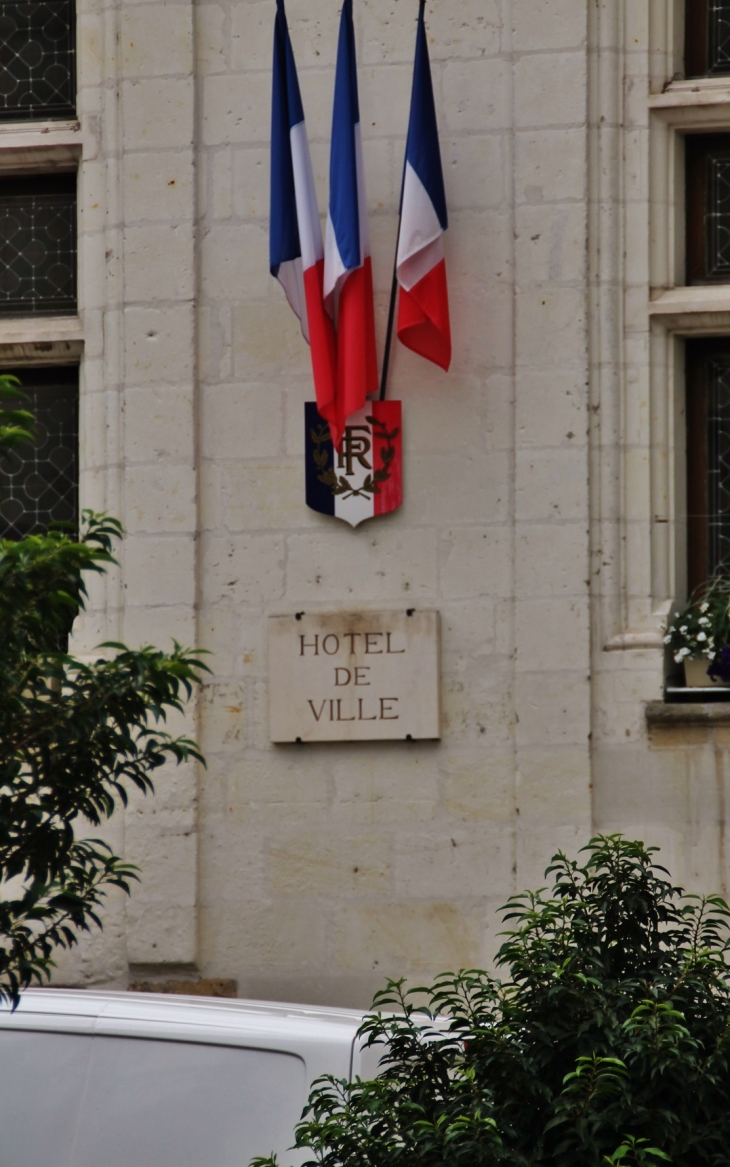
x=707, y=38
x=718, y=47
x=708, y=208
x=37, y=60
x=40, y=485
x=38, y=245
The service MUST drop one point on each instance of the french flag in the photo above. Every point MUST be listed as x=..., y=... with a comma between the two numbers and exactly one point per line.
x=348, y=274
x=423, y=308
x=296, y=254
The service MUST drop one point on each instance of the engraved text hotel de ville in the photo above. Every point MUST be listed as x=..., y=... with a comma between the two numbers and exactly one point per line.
x=360, y=676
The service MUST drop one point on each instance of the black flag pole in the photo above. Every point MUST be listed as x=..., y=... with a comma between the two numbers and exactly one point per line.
x=394, y=285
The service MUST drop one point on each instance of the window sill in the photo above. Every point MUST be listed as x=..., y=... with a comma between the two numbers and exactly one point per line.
x=691, y=298
x=45, y=146
x=696, y=91
x=667, y=715
x=44, y=340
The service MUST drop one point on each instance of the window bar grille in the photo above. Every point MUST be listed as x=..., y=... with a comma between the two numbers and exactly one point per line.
x=37, y=60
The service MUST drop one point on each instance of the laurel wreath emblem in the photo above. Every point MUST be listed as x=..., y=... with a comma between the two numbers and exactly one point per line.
x=341, y=485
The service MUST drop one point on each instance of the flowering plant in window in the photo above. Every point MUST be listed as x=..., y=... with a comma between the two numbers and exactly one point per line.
x=701, y=629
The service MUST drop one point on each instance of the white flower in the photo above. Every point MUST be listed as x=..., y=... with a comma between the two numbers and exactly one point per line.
x=711, y=655
x=683, y=629
x=702, y=636
x=667, y=640
x=704, y=607
x=703, y=620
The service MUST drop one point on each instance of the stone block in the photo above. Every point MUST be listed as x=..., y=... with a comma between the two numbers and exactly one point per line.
x=236, y=107
x=279, y=936
x=552, y=408
x=552, y=710
x=241, y=421
x=480, y=248
x=482, y=487
x=554, y=787
x=476, y=96
x=552, y=485
x=553, y=634
x=368, y=795
x=405, y=938
x=551, y=243
x=201, y=987
x=335, y=566
x=313, y=33
x=264, y=496
x=161, y=933
x=158, y=425
x=250, y=182
x=553, y=24
x=476, y=169
x=234, y=263
x=481, y=788
x=158, y=186
x=232, y=859
x=158, y=113
x=314, y=863
x=155, y=40
x=468, y=631
x=159, y=262
x=158, y=345
x=551, y=559
x=540, y=100
x=248, y=570
x=550, y=166
x=455, y=32
x=218, y=187
x=90, y=57
x=475, y=561
x=211, y=39
x=223, y=718
x=160, y=499
x=478, y=707
x=461, y=864
x=543, y=314
x=159, y=570
x=92, y=197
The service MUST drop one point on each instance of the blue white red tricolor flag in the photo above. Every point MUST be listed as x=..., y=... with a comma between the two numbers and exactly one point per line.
x=423, y=309
x=296, y=253
x=363, y=478
x=348, y=276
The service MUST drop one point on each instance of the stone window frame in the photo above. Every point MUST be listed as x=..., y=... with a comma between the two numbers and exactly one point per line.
x=33, y=149
x=678, y=311
x=641, y=314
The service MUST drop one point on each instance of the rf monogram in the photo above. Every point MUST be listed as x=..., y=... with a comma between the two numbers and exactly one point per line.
x=355, y=444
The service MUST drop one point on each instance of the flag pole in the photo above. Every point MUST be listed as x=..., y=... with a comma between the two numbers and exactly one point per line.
x=394, y=285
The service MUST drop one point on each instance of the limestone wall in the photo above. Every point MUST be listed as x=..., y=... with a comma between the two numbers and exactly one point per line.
x=539, y=513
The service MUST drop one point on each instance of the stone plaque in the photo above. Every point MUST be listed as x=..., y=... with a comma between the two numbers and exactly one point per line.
x=359, y=676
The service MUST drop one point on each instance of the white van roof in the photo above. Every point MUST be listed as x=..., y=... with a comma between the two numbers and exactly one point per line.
x=168, y=1006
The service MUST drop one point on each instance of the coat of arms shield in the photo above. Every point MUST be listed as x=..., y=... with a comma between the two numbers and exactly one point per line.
x=363, y=478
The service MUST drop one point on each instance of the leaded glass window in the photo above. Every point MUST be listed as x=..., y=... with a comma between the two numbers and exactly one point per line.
x=708, y=208
x=38, y=245
x=37, y=60
x=39, y=485
x=707, y=39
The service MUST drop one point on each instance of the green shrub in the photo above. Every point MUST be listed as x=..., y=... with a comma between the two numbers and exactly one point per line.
x=608, y=1043
x=73, y=735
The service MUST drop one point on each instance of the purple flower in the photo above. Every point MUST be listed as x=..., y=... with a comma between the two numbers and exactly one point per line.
x=719, y=670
